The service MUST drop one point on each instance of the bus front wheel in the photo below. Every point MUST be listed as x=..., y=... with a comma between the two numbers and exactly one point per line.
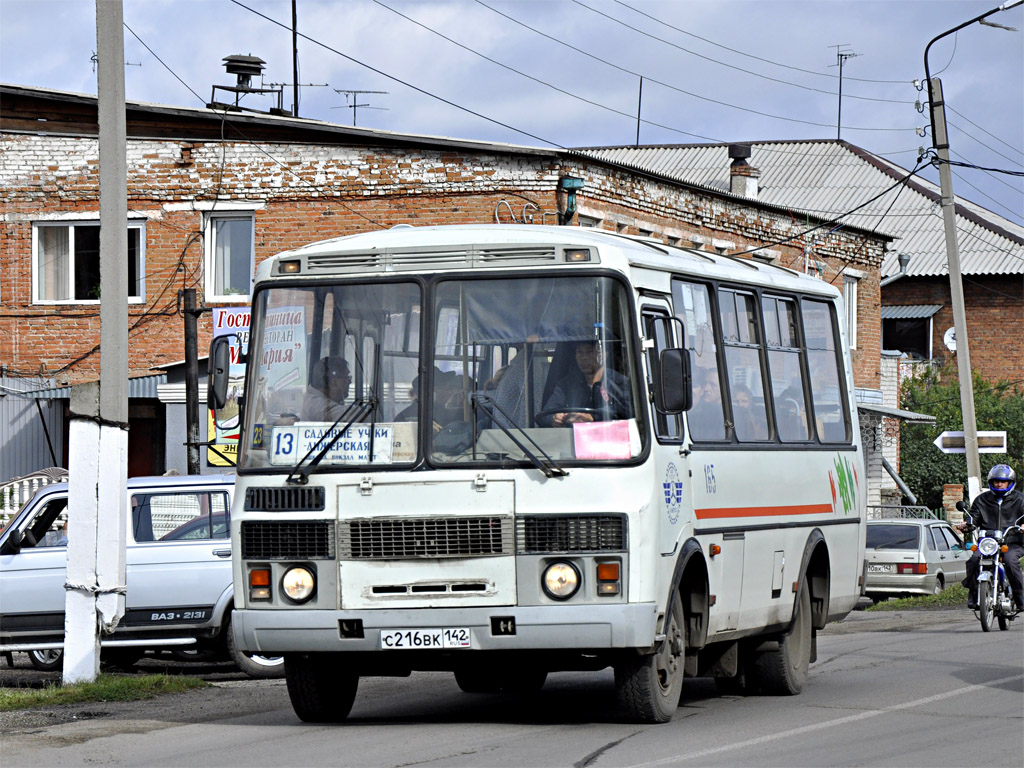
x=321, y=687
x=648, y=687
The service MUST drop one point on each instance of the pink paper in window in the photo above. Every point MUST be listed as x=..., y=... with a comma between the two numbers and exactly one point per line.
x=602, y=440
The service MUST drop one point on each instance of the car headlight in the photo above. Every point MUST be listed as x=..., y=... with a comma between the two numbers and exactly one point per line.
x=988, y=547
x=298, y=584
x=561, y=580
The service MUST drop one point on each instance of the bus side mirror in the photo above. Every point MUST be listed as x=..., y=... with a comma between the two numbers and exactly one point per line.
x=217, y=372
x=961, y=506
x=674, y=384
x=13, y=544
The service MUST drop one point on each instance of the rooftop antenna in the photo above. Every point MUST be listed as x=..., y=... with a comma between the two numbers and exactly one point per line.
x=841, y=57
x=355, y=98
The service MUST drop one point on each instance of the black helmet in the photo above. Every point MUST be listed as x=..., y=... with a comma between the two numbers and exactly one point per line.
x=1002, y=472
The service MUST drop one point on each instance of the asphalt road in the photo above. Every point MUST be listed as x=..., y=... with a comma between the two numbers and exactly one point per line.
x=922, y=688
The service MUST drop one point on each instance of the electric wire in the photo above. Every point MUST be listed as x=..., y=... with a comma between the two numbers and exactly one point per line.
x=730, y=66
x=764, y=60
x=1018, y=150
x=407, y=84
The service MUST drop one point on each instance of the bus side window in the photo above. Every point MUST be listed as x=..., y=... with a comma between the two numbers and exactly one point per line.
x=692, y=303
x=832, y=417
x=786, y=368
x=667, y=427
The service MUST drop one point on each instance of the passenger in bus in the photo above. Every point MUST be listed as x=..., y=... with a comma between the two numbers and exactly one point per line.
x=448, y=404
x=748, y=427
x=600, y=393
x=329, y=385
x=705, y=418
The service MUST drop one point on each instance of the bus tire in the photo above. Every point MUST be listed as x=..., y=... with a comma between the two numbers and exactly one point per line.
x=321, y=687
x=477, y=679
x=783, y=672
x=648, y=687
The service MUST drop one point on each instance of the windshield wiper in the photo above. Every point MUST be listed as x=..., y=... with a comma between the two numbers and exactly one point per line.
x=361, y=408
x=548, y=466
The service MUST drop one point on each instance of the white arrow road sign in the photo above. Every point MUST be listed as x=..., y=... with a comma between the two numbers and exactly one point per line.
x=988, y=442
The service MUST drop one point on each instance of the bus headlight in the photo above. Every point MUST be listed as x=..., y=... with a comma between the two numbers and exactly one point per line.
x=561, y=580
x=298, y=584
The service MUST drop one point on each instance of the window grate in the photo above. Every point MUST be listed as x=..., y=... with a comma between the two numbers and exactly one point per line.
x=287, y=540
x=571, y=533
x=403, y=538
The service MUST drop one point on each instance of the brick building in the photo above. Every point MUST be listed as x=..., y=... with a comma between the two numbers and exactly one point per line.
x=210, y=195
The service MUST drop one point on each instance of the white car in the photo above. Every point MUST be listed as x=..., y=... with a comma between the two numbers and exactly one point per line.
x=909, y=556
x=178, y=574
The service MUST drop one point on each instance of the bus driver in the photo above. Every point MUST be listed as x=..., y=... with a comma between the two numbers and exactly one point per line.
x=600, y=394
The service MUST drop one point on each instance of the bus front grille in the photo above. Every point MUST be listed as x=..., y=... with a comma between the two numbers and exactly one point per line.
x=276, y=499
x=287, y=540
x=424, y=537
x=570, y=533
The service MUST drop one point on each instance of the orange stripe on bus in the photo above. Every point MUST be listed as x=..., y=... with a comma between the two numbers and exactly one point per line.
x=803, y=509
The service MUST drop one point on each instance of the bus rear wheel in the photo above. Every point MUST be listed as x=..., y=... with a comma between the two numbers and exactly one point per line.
x=648, y=687
x=783, y=671
x=321, y=686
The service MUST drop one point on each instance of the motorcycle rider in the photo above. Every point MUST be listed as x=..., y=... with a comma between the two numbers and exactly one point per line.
x=998, y=508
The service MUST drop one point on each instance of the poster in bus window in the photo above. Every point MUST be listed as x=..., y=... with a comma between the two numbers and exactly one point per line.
x=280, y=377
x=223, y=424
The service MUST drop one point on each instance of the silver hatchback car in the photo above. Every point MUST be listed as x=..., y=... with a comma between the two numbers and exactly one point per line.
x=912, y=557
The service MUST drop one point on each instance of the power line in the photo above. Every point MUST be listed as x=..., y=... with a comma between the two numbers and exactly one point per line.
x=398, y=79
x=722, y=63
x=964, y=117
x=759, y=58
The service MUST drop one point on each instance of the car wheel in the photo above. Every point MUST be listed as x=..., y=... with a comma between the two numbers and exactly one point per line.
x=47, y=660
x=253, y=664
x=939, y=586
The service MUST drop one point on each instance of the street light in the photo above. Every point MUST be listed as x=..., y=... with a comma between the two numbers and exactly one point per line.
x=940, y=142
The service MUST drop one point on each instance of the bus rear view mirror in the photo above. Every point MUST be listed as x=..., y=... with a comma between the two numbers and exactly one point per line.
x=217, y=374
x=674, y=384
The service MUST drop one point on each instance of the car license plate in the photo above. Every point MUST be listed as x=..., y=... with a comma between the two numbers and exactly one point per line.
x=880, y=568
x=419, y=639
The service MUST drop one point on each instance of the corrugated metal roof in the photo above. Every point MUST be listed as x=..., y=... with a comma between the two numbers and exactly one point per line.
x=827, y=178
x=141, y=386
x=909, y=311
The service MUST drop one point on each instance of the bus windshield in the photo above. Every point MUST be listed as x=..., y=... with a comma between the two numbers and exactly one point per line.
x=538, y=365
x=513, y=369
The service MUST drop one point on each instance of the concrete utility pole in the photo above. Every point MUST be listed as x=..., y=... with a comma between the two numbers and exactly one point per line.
x=940, y=142
x=99, y=412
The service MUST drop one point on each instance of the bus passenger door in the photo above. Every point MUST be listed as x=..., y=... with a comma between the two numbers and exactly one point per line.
x=671, y=467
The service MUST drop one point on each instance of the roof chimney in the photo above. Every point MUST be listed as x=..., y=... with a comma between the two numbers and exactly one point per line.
x=742, y=177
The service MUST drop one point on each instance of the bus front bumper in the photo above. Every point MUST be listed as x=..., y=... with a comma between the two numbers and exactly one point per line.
x=562, y=627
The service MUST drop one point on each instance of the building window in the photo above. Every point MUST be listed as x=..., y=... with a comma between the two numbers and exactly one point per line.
x=66, y=262
x=850, y=300
x=589, y=222
x=912, y=336
x=229, y=256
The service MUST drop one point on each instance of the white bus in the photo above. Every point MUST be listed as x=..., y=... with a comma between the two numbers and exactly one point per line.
x=504, y=451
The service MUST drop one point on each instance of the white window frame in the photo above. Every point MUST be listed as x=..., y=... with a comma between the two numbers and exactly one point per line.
x=38, y=226
x=211, y=250
x=850, y=301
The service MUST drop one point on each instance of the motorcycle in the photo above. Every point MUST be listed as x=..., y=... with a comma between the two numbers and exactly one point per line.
x=995, y=600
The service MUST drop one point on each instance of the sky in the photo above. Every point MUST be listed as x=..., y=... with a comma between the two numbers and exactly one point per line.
x=567, y=73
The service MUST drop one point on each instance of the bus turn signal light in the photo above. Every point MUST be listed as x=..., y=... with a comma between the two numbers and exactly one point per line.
x=608, y=579
x=259, y=584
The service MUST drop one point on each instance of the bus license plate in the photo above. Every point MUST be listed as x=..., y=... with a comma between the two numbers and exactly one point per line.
x=881, y=568
x=419, y=639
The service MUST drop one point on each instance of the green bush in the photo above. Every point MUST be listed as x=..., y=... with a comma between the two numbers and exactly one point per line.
x=997, y=406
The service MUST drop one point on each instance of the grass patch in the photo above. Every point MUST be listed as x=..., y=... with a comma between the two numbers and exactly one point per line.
x=106, y=688
x=952, y=597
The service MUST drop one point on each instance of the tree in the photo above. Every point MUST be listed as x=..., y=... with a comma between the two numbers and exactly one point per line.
x=936, y=392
